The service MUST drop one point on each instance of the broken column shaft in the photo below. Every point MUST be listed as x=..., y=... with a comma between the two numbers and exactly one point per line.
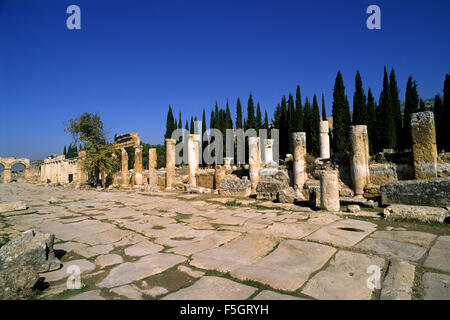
x=152, y=162
x=424, y=148
x=329, y=190
x=324, y=140
x=299, y=160
x=254, y=161
x=138, y=165
x=359, y=162
x=268, y=150
x=124, y=167
x=193, y=158
x=170, y=162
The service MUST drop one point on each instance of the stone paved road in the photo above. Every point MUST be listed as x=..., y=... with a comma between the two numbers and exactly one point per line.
x=136, y=245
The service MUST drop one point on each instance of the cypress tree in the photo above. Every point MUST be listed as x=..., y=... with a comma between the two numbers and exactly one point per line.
x=315, y=128
x=211, y=120
x=65, y=151
x=437, y=110
x=446, y=112
x=284, y=133
x=388, y=119
x=229, y=120
x=258, y=118
x=324, y=112
x=299, y=127
x=341, y=116
x=266, y=121
x=187, y=126
x=238, y=114
x=307, y=123
x=192, y=131
x=371, y=123
x=204, y=143
x=251, y=120
x=180, y=123
x=291, y=122
x=411, y=106
x=170, y=123
x=422, y=106
x=396, y=107
x=359, y=102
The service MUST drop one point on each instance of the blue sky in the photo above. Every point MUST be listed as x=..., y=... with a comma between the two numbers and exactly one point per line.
x=131, y=59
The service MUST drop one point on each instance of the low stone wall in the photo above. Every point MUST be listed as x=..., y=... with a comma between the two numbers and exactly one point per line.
x=426, y=192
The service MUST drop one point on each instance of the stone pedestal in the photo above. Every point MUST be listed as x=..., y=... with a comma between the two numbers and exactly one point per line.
x=329, y=190
x=6, y=175
x=219, y=174
x=138, y=166
x=424, y=145
x=359, y=162
x=268, y=150
x=299, y=160
x=254, y=161
x=124, y=167
x=170, y=162
x=152, y=162
x=81, y=172
x=193, y=158
x=324, y=140
x=227, y=163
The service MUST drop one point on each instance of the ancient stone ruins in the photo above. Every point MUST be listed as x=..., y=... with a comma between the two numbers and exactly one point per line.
x=373, y=228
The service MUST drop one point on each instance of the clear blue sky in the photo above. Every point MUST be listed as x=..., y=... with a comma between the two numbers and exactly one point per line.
x=131, y=59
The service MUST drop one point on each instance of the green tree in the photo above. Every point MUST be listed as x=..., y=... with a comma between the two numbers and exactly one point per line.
x=299, y=127
x=266, y=121
x=291, y=122
x=170, y=124
x=396, y=108
x=422, y=106
x=359, y=102
x=258, y=117
x=89, y=129
x=324, y=112
x=192, y=129
x=65, y=151
x=251, y=120
x=307, y=123
x=314, y=128
x=388, y=119
x=341, y=117
x=411, y=106
x=438, y=115
x=204, y=143
x=446, y=112
x=238, y=114
x=372, y=126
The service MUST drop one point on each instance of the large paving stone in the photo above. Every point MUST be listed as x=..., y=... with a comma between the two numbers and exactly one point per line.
x=84, y=265
x=393, y=249
x=106, y=237
x=399, y=281
x=345, y=278
x=235, y=254
x=208, y=242
x=436, y=286
x=423, y=239
x=108, y=260
x=289, y=266
x=439, y=255
x=272, y=295
x=128, y=291
x=89, y=295
x=143, y=248
x=291, y=230
x=213, y=288
x=145, y=267
x=343, y=233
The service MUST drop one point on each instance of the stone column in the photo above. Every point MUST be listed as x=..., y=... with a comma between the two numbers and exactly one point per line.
x=115, y=174
x=299, y=160
x=227, y=163
x=254, y=161
x=193, y=159
x=324, y=140
x=268, y=151
x=329, y=190
x=152, y=162
x=124, y=167
x=6, y=175
x=82, y=174
x=359, y=162
x=170, y=162
x=219, y=174
x=138, y=166
x=424, y=145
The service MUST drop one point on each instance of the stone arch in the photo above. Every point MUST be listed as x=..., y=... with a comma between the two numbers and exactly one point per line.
x=8, y=162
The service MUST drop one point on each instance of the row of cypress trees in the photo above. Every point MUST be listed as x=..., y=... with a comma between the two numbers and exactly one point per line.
x=388, y=126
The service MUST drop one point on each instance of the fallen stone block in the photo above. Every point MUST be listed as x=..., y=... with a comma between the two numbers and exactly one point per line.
x=427, y=192
x=287, y=195
x=418, y=213
x=353, y=208
x=22, y=259
x=235, y=187
x=12, y=206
